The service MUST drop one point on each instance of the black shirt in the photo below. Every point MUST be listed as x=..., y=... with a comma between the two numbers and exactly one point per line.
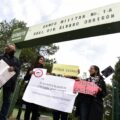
x=14, y=62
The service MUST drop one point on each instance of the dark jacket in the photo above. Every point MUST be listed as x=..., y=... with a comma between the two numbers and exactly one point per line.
x=97, y=109
x=101, y=83
x=14, y=62
x=100, y=95
x=88, y=99
x=28, y=75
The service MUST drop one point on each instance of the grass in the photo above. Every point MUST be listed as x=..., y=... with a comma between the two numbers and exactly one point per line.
x=0, y=97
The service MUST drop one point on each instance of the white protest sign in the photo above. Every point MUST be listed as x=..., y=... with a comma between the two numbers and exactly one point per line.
x=51, y=92
x=5, y=75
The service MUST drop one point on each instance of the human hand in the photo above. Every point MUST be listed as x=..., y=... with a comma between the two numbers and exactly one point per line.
x=31, y=72
x=11, y=69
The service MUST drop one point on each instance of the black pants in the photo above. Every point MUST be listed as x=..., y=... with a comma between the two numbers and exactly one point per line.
x=57, y=115
x=97, y=111
x=6, y=103
x=31, y=108
x=84, y=110
x=91, y=111
x=20, y=110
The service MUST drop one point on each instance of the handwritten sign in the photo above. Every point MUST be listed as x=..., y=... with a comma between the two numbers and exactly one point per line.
x=86, y=87
x=65, y=70
x=50, y=91
x=5, y=75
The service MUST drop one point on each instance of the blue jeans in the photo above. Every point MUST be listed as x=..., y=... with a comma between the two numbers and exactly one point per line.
x=6, y=103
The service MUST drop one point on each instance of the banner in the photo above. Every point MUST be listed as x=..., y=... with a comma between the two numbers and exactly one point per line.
x=50, y=91
x=5, y=75
x=65, y=70
x=86, y=87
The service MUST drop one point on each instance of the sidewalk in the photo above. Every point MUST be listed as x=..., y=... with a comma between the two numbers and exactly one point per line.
x=43, y=117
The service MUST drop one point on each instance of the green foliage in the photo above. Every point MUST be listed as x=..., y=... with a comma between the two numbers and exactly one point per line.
x=6, y=29
x=108, y=104
x=47, y=50
x=49, y=64
x=14, y=97
x=72, y=117
x=28, y=55
x=0, y=97
x=116, y=75
x=116, y=91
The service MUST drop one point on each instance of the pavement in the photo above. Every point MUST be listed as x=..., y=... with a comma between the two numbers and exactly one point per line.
x=43, y=117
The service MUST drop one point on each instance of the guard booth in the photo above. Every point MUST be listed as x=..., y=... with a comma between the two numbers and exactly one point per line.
x=96, y=22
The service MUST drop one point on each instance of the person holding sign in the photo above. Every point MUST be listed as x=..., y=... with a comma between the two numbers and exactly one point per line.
x=60, y=115
x=90, y=107
x=9, y=86
x=32, y=108
x=68, y=71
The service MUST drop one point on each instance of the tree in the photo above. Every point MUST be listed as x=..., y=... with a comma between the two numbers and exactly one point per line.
x=49, y=64
x=116, y=75
x=6, y=29
x=116, y=91
x=28, y=55
x=108, y=104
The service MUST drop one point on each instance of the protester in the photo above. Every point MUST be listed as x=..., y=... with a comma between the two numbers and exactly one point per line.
x=9, y=87
x=30, y=107
x=59, y=115
x=91, y=107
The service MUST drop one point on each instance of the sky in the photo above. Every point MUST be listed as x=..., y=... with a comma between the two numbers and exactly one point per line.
x=102, y=51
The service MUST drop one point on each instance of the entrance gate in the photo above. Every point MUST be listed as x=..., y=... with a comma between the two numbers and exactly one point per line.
x=101, y=21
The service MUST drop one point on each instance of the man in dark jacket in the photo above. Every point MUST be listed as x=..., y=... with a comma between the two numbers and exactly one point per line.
x=9, y=87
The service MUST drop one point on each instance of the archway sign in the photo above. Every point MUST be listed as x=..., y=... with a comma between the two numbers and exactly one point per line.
x=101, y=21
